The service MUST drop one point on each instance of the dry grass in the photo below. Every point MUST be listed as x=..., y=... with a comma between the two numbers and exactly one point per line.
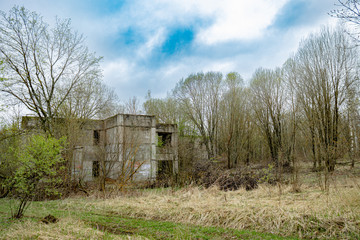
x=308, y=214
x=67, y=229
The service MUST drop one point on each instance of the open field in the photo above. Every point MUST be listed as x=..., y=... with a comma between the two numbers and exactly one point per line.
x=195, y=213
x=75, y=222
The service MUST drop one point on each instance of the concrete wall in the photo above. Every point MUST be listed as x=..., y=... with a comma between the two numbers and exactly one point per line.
x=122, y=140
x=130, y=139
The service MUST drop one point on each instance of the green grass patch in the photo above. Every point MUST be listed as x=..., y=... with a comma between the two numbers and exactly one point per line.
x=94, y=223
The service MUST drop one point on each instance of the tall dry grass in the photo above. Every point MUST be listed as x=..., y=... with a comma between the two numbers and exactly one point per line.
x=309, y=214
x=66, y=229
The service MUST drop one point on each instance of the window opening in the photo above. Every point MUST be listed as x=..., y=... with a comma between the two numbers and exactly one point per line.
x=96, y=137
x=164, y=139
x=95, y=169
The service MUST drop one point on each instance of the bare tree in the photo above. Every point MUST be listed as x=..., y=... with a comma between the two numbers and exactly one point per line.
x=88, y=100
x=42, y=65
x=233, y=120
x=165, y=110
x=268, y=93
x=169, y=110
x=349, y=12
x=200, y=95
x=326, y=66
x=351, y=127
x=132, y=106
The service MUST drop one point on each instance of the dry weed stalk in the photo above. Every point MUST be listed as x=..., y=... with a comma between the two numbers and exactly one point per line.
x=309, y=214
x=66, y=228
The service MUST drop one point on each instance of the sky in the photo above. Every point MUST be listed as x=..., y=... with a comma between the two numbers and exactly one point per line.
x=152, y=44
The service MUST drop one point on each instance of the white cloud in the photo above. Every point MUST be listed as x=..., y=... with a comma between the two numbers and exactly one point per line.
x=231, y=19
x=227, y=19
x=240, y=20
x=153, y=41
x=223, y=66
x=130, y=70
x=119, y=70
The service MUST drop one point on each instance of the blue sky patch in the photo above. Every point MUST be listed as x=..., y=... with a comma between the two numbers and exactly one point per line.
x=293, y=13
x=178, y=40
x=105, y=7
x=131, y=37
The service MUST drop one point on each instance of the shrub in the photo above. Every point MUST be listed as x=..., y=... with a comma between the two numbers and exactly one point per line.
x=207, y=173
x=231, y=181
x=36, y=165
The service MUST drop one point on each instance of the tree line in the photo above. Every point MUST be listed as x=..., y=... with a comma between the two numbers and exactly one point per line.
x=307, y=109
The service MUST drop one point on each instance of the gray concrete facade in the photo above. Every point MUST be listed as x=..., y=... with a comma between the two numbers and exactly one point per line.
x=123, y=145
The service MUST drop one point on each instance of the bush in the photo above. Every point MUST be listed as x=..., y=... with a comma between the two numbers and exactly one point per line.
x=36, y=165
x=9, y=139
x=207, y=173
x=231, y=181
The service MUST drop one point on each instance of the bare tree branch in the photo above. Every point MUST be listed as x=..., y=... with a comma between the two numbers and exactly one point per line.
x=43, y=65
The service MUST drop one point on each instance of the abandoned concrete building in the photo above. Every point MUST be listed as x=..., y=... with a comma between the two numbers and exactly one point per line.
x=125, y=145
